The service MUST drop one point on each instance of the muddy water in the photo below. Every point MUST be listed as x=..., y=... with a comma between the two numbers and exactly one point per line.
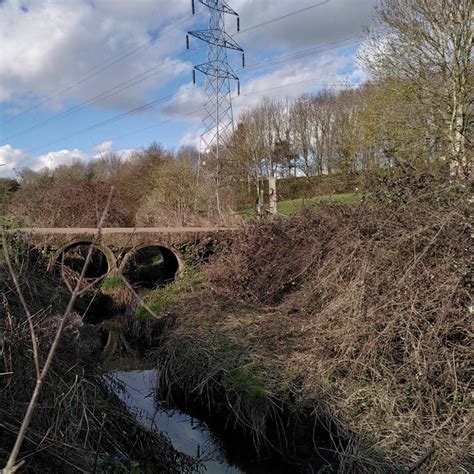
x=187, y=434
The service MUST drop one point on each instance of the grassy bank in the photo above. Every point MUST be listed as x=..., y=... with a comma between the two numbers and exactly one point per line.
x=79, y=425
x=293, y=206
x=352, y=320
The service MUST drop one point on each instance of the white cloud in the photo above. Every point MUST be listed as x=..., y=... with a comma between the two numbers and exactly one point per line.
x=189, y=99
x=290, y=80
x=49, y=44
x=108, y=147
x=191, y=138
x=10, y=160
x=103, y=149
x=57, y=158
x=14, y=160
x=332, y=21
x=127, y=153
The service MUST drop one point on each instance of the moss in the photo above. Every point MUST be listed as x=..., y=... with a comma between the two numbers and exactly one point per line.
x=247, y=384
x=112, y=283
x=142, y=313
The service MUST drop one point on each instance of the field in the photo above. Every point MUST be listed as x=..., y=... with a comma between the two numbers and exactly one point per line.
x=293, y=206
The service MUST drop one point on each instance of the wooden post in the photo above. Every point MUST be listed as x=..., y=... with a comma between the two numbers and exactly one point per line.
x=273, y=195
x=261, y=203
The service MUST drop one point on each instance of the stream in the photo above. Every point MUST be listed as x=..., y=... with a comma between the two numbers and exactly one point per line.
x=219, y=447
x=218, y=452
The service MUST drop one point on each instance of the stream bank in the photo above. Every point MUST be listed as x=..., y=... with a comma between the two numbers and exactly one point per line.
x=211, y=385
x=217, y=448
x=236, y=424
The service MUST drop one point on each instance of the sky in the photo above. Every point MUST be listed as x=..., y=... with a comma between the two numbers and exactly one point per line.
x=83, y=78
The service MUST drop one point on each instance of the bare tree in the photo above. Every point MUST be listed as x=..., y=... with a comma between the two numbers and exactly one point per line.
x=303, y=129
x=429, y=43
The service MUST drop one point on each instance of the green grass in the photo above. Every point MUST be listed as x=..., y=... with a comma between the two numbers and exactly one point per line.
x=247, y=384
x=142, y=313
x=287, y=208
x=7, y=222
x=162, y=299
x=112, y=283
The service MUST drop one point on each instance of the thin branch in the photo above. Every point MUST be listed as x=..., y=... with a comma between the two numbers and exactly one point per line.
x=34, y=343
x=139, y=298
x=11, y=466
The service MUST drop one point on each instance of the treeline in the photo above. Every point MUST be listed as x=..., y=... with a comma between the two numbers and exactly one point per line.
x=413, y=114
x=414, y=111
x=153, y=187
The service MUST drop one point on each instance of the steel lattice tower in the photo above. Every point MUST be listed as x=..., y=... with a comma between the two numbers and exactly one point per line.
x=218, y=121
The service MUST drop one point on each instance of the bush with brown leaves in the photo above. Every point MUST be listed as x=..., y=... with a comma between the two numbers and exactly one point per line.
x=372, y=304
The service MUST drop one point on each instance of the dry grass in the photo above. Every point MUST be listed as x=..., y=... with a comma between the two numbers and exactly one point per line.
x=79, y=425
x=364, y=311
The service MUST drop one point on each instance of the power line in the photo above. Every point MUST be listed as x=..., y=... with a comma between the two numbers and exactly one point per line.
x=103, y=95
x=133, y=81
x=149, y=127
x=101, y=124
x=98, y=69
x=107, y=121
x=285, y=16
x=302, y=54
x=118, y=88
x=296, y=84
x=151, y=104
x=261, y=91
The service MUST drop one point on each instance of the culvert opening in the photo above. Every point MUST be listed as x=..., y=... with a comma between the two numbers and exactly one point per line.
x=152, y=266
x=72, y=260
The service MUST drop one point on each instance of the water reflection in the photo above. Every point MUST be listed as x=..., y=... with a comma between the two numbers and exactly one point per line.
x=188, y=435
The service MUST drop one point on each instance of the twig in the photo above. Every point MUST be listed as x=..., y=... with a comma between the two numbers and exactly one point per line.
x=104, y=417
x=422, y=460
x=11, y=466
x=34, y=343
x=141, y=300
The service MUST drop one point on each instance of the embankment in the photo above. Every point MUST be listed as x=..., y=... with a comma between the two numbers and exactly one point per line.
x=79, y=425
x=338, y=337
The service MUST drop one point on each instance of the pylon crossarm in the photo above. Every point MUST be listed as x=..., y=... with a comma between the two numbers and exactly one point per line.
x=216, y=38
x=211, y=69
x=219, y=6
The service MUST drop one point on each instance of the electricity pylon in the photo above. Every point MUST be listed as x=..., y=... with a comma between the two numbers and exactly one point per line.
x=218, y=121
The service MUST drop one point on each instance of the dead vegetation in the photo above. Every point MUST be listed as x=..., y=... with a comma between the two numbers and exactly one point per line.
x=361, y=313
x=78, y=424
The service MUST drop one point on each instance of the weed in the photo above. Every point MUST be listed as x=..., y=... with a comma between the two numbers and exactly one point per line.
x=112, y=283
x=352, y=301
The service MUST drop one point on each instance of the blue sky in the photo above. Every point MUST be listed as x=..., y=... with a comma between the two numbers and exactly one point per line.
x=88, y=61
